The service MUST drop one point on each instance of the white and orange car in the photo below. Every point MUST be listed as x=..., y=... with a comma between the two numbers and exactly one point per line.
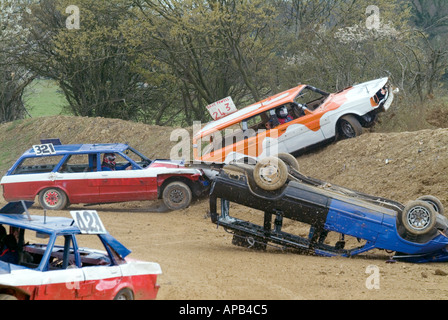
x=291, y=121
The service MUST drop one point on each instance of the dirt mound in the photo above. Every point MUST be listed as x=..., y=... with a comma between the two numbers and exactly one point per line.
x=438, y=117
x=401, y=166
x=18, y=136
x=198, y=259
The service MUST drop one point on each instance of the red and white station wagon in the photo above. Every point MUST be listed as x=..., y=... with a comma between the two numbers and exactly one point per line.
x=60, y=175
x=61, y=258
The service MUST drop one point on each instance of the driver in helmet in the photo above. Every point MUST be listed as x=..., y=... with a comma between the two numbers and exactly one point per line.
x=283, y=115
x=109, y=164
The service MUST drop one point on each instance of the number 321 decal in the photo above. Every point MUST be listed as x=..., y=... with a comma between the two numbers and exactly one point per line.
x=44, y=149
x=88, y=221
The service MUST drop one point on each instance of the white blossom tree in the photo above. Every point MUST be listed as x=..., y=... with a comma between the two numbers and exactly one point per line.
x=13, y=44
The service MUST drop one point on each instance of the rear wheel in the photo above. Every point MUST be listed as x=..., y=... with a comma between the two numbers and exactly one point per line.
x=4, y=296
x=124, y=294
x=418, y=217
x=53, y=199
x=177, y=195
x=270, y=173
x=435, y=202
x=289, y=160
x=349, y=127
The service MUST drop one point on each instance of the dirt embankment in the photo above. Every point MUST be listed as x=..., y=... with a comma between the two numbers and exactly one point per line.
x=199, y=261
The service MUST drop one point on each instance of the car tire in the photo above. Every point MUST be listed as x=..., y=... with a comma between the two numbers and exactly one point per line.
x=124, y=294
x=289, y=160
x=177, y=195
x=4, y=296
x=418, y=217
x=53, y=199
x=435, y=202
x=270, y=173
x=349, y=127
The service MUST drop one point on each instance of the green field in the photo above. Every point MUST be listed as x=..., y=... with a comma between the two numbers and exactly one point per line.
x=44, y=98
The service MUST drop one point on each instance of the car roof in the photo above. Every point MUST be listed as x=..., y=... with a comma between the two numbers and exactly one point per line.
x=50, y=225
x=13, y=215
x=84, y=148
x=250, y=111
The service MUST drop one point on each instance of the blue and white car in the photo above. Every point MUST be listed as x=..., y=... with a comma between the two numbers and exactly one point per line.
x=416, y=232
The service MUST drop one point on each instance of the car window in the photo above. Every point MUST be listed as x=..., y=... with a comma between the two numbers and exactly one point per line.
x=117, y=162
x=63, y=254
x=76, y=163
x=37, y=165
x=311, y=97
x=92, y=251
x=25, y=247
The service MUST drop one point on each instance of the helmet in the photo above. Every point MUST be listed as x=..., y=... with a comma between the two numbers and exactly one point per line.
x=282, y=112
x=109, y=158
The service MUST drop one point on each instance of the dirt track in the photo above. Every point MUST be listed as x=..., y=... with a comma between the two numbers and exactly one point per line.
x=199, y=262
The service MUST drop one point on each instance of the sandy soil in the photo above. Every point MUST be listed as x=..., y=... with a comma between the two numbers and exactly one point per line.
x=200, y=263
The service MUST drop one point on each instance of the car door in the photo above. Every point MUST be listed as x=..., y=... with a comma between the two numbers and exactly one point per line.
x=101, y=281
x=122, y=184
x=102, y=274
x=61, y=278
x=303, y=132
x=77, y=176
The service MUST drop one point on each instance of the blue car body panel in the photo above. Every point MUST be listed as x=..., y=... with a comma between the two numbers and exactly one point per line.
x=326, y=209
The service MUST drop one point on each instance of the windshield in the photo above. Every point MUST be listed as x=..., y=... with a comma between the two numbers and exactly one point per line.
x=312, y=98
x=137, y=157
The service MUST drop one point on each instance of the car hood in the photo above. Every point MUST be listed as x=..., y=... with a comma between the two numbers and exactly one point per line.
x=366, y=89
x=166, y=163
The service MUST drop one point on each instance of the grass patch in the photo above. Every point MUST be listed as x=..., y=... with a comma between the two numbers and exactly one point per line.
x=44, y=98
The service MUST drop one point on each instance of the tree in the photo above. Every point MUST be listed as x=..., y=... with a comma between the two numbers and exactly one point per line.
x=92, y=63
x=13, y=77
x=212, y=49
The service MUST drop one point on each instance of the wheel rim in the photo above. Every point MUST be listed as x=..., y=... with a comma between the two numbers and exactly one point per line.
x=419, y=218
x=52, y=198
x=122, y=297
x=270, y=174
x=176, y=196
x=347, y=129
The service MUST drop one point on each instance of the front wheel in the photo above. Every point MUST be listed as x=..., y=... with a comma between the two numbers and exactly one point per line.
x=418, y=217
x=270, y=173
x=53, y=199
x=177, y=195
x=349, y=127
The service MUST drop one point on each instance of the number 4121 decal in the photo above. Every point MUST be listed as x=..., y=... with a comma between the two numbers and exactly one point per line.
x=88, y=221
